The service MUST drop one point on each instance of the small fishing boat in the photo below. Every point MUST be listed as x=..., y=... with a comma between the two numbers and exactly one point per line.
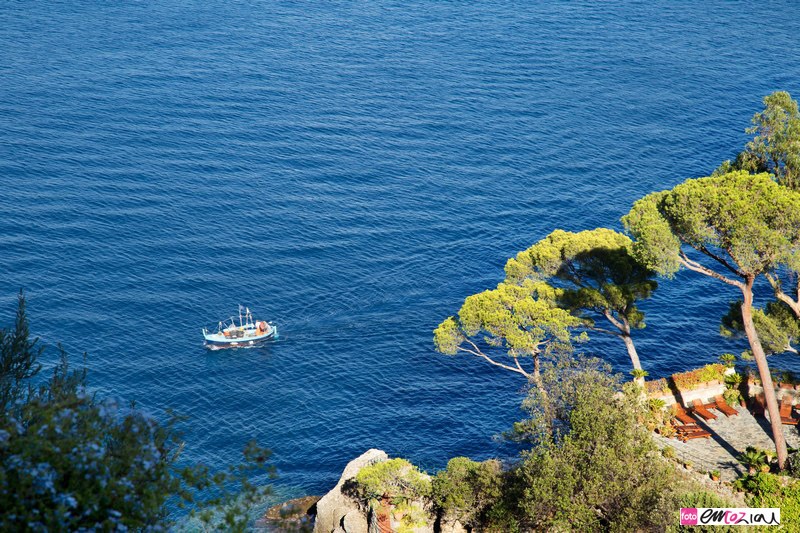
x=248, y=332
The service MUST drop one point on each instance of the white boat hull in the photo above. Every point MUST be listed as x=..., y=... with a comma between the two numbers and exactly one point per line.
x=219, y=340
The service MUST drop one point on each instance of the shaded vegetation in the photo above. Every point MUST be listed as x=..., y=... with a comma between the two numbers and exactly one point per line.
x=72, y=461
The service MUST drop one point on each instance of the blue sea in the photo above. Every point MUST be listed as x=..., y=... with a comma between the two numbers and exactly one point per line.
x=351, y=171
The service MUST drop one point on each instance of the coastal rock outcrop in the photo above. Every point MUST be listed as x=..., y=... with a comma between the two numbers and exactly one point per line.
x=338, y=503
x=451, y=527
x=355, y=522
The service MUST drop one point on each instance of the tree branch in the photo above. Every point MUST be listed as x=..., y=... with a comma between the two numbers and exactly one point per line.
x=574, y=277
x=709, y=253
x=607, y=331
x=794, y=305
x=617, y=324
x=478, y=353
x=697, y=267
x=516, y=360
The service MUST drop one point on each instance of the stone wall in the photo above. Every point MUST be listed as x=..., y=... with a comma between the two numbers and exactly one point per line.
x=705, y=393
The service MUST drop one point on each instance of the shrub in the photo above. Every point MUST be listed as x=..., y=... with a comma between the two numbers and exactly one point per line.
x=466, y=489
x=759, y=484
x=656, y=418
x=693, y=378
x=70, y=462
x=597, y=471
x=732, y=397
x=753, y=459
x=786, y=497
x=727, y=359
x=793, y=465
x=658, y=387
x=733, y=380
x=396, y=478
x=702, y=499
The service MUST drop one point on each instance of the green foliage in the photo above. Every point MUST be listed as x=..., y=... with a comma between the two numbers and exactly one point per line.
x=775, y=148
x=467, y=490
x=637, y=373
x=656, y=418
x=714, y=473
x=596, y=266
x=658, y=386
x=732, y=381
x=395, y=478
x=699, y=499
x=699, y=376
x=744, y=222
x=785, y=496
x=793, y=464
x=18, y=359
x=597, y=471
x=752, y=458
x=597, y=275
x=521, y=320
x=550, y=406
x=777, y=327
x=655, y=404
x=727, y=359
x=732, y=397
x=759, y=483
x=413, y=516
x=69, y=461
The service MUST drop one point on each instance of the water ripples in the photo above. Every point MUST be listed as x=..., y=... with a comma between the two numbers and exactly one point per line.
x=351, y=171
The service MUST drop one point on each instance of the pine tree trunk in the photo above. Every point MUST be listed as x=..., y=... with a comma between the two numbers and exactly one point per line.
x=631, y=351
x=763, y=371
x=633, y=355
x=536, y=376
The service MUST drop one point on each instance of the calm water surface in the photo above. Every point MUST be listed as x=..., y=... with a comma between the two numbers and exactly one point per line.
x=352, y=171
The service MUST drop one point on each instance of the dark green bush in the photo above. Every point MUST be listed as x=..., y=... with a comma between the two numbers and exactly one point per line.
x=466, y=490
x=759, y=484
x=592, y=466
x=793, y=464
x=69, y=461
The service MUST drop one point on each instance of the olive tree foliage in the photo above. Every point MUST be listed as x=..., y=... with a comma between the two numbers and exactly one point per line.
x=592, y=466
x=69, y=461
x=520, y=321
x=775, y=147
x=599, y=277
x=738, y=226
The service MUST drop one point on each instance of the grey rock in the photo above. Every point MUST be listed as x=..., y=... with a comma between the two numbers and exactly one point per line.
x=355, y=522
x=333, y=507
x=452, y=527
